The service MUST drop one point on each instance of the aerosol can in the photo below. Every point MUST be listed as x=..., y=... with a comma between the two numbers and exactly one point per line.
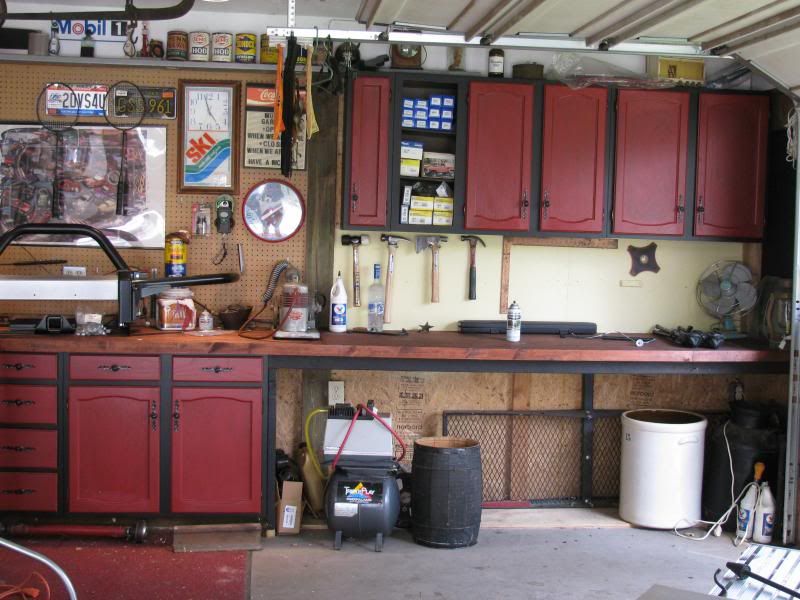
x=338, y=304
x=514, y=323
x=764, y=516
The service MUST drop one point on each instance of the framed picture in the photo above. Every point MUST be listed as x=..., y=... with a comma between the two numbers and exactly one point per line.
x=209, y=137
x=77, y=177
x=260, y=150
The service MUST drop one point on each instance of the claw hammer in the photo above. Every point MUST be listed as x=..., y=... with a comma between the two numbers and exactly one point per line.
x=434, y=243
x=356, y=241
x=473, y=270
x=392, y=242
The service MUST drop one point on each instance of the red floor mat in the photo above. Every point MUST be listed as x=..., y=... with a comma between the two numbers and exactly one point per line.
x=109, y=570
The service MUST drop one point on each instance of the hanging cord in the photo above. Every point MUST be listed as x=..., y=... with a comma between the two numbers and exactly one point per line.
x=34, y=586
x=65, y=580
x=292, y=302
x=312, y=454
x=726, y=515
x=791, y=137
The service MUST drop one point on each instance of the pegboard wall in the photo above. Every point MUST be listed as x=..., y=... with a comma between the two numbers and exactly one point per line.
x=20, y=85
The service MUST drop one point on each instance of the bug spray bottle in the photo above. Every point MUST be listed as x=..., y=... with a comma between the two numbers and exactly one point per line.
x=338, y=306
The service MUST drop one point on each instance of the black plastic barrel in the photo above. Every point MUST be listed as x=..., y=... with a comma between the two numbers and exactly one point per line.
x=446, y=496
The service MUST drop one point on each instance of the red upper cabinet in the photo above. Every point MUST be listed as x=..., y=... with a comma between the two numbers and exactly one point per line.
x=368, y=188
x=113, y=449
x=499, y=154
x=650, y=182
x=731, y=165
x=216, y=450
x=573, y=160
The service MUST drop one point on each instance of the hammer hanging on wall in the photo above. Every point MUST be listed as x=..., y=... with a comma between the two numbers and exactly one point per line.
x=473, y=270
x=356, y=241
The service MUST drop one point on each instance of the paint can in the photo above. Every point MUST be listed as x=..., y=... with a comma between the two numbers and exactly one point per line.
x=177, y=45
x=246, y=47
x=268, y=55
x=199, y=46
x=176, y=252
x=222, y=47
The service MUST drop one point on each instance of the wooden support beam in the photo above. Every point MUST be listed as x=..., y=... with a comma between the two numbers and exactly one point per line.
x=460, y=15
x=751, y=29
x=763, y=36
x=635, y=17
x=665, y=15
x=515, y=16
x=552, y=242
x=721, y=26
x=598, y=19
x=488, y=18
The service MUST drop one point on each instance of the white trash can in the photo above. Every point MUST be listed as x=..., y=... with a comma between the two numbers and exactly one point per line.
x=661, y=475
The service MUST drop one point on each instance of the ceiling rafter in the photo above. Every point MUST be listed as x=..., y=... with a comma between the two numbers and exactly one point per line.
x=665, y=15
x=488, y=18
x=598, y=19
x=761, y=25
x=761, y=36
x=698, y=36
x=461, y=15
x=627, y=21
x=524, y=10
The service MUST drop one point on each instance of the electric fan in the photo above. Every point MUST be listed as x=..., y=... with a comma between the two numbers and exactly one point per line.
x=726, y=291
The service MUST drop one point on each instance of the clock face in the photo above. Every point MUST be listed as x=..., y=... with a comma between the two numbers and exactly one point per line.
x=209, y=109
x=408, y=51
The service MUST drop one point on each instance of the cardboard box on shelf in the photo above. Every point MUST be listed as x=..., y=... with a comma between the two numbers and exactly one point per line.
x=408, y=123
x=420, y=113
x=442, y=217
x=408, y=103
x=680, y=70
x=290, y=508
x=447, y=125
x=422, y=202
x=410, y=149
x=434, y=112
x=434, y=124
x=406, y=194
x=443, y=204
x=408, y=113
x=448, y=101
x=404, y=214
x=448, y=113
x=435, y=100
x=421, y=103
x=409, y=167
x=420, y=217
x=439, y=164
x=421, y=123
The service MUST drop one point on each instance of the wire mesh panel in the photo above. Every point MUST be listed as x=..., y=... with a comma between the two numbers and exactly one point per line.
x=536, y=457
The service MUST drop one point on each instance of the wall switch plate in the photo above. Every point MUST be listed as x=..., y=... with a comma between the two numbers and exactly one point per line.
x=335, y=392
x=71, y=271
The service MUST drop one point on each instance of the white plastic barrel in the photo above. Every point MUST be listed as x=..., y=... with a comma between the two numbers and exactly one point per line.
x=661, y=475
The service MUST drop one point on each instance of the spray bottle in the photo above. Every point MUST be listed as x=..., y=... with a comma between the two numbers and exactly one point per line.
x=764, y=516
x=745, y=518
x=338, y=305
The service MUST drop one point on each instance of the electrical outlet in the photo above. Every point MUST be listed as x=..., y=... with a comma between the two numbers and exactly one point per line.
x=71, y=271
x=631, y=283
x=335, y=392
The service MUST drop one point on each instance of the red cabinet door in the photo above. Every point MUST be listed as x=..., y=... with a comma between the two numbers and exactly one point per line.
x=573, y=161
x=216, y=450
x=499, y=154
x=650, y=183
x=369, y=151
x=731, y=165
x=113, y=449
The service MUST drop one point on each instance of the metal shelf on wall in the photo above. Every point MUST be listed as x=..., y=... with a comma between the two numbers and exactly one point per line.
x=153, y=63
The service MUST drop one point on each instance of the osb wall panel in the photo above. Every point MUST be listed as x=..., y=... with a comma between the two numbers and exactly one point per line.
x=289, y=421
x=20, y=85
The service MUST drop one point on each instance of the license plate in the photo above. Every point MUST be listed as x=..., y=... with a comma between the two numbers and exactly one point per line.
x=87, y=101
x=159, y=103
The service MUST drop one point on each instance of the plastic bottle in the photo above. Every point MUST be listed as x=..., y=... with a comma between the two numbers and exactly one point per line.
x=514, y=323
x=764, y=520
x=205, y=321
x=375, y=301
x=744, y=520
x=338, y=304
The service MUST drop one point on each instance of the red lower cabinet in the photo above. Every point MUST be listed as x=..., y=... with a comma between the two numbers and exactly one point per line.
x=113, y=449
x=216, y=450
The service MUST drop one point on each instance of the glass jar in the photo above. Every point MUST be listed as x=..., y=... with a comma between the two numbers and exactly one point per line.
x=176, y=310
x=496, y=62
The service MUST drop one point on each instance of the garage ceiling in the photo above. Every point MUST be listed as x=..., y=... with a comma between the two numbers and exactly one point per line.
x=765, y=33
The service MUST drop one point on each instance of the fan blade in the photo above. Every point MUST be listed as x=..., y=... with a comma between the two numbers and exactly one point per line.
x=723, y=305
x=746, y=296
x=710, y=287
x=739, y=273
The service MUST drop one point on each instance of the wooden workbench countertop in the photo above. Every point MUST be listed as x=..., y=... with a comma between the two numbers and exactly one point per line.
x=435, y=345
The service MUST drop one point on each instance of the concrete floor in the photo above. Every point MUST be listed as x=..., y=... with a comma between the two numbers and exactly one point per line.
x=534, y=564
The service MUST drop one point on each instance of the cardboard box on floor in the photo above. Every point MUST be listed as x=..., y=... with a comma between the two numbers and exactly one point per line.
x=290, y=508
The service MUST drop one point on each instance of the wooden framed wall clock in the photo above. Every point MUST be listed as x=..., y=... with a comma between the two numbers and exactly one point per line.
x=209, y=137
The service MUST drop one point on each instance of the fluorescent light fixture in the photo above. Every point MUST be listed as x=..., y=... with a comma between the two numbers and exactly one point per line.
x=215, y=0
x=419, y=26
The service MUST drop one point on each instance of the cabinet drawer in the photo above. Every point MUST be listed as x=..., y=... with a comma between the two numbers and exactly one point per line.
x=28, y=491
x=28, y=448
x=216, y=369
x=28, y=366
x=28, y=403
x=122, y=368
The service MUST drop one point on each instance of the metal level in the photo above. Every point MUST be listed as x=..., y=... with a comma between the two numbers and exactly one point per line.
x=58, y=288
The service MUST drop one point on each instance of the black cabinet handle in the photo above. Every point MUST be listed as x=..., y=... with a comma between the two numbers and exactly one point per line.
x=700, y=209
x=176, y=416
x=546, y=204
x=217, y=369
x=17, y=366
x=18, y=492
x=154, y=415
x=19, y=402
x=17, y=448
x=680, y=208
x=115, y=368
x=524, y=204
x=355, y=197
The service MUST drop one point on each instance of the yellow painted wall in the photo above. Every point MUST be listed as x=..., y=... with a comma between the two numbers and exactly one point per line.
x=573, y=284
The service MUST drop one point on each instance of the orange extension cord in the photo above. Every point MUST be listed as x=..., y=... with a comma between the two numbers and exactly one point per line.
x=26, y=589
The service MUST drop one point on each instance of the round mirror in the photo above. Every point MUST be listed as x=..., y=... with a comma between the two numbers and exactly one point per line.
x=273, y=210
